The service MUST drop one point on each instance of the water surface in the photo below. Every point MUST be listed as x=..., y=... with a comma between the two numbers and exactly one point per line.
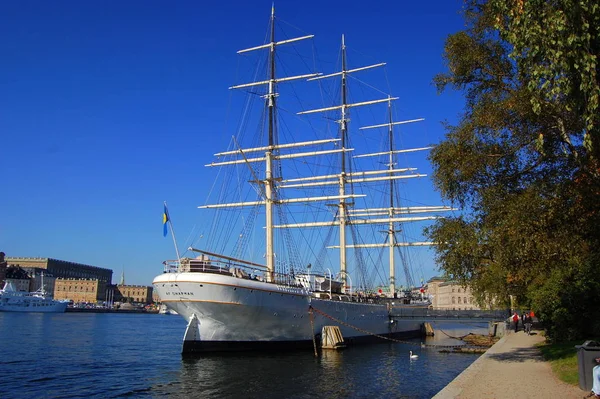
x=82, y=355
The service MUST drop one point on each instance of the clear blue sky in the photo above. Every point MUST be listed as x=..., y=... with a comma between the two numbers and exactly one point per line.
x=109, y=108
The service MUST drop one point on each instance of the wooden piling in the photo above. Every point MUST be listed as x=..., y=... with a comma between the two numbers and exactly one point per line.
x=427, y=330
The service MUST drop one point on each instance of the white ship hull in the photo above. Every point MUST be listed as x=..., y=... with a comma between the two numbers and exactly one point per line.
x=57, y=307
x=27, y=303
x=230, y=313
x=12, y=300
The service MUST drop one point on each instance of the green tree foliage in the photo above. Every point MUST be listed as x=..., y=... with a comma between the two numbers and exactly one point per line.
x=556, y=45
x=523, y=159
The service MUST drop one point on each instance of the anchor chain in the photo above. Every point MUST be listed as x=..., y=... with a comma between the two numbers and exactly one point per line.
x=311, y=309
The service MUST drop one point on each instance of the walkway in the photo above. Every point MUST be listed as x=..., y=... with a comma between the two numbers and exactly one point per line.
x=512, y=368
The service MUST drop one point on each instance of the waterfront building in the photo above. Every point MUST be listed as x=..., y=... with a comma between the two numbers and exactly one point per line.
x=80, y=290
x=36, y=279
x=63, y=269
x=75, y=281
x=134, y=293
x=450, y=295
x=20, y=284
x=32, y=283
x=18, y=276
x=155, y=297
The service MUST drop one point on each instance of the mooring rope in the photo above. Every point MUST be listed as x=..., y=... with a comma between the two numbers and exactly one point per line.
x=312, y=329
x=422, y=345
x=450, y=336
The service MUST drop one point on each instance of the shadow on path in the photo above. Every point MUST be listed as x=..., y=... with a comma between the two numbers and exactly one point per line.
x=518, y=355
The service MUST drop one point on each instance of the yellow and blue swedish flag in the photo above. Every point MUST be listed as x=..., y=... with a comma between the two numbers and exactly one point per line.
x=165, y=220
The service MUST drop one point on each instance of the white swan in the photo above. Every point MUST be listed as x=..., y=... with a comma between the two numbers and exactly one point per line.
x=413, y=356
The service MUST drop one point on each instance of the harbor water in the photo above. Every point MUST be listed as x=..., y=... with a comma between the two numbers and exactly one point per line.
x=96, y=355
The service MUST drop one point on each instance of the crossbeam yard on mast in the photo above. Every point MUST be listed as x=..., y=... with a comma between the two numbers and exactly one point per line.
x=336, y=107
x=350, y=180
x=348, y=71
x=274, y=80
x=283, y=201
x=392, y=152
x=385, y=245
x=277, y=147
x=357, y=222
x=281, y=156
x=374, y=172
x=279, y=43
x=407, y=210
x=391, y=124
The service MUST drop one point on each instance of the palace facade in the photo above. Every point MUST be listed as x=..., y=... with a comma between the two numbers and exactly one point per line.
x=449, y=295
x=63, y=269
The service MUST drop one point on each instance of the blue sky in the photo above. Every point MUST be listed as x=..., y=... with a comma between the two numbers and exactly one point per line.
x=109, y=108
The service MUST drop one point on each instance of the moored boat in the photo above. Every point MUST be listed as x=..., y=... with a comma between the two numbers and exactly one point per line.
x=233, y=303
x=12, y=300
x=164, y=309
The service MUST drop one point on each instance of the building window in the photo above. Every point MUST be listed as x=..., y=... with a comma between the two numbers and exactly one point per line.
x=453, y=299
x=459, y=300
x=466, y=300
x=459, y=290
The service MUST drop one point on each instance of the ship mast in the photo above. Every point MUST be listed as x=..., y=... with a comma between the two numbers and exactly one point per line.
x=392, y=211
x=271, y=150
x=342, y=191
x=343, y=178
x=269, y=190
x=274, y=151
x=391, y=235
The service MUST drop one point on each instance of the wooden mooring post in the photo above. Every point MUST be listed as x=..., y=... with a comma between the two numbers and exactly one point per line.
x=427, y=330
x=331, y=338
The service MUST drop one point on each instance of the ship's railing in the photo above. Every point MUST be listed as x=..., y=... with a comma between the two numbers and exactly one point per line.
x=230, y=268
x=244, y=271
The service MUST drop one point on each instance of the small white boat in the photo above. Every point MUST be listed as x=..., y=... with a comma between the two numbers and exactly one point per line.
x=12, y=300
x=164, y=309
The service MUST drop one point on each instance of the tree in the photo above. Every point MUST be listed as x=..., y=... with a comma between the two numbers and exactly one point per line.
x=556, y=46
x=523, y=160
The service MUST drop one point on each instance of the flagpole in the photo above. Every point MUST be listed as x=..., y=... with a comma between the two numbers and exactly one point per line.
x=173, y=234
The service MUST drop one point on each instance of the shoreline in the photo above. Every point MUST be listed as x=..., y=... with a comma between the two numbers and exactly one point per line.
x=515, y=357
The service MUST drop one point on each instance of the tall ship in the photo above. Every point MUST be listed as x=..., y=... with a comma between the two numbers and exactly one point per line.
x=12, y=300
x=302, y=229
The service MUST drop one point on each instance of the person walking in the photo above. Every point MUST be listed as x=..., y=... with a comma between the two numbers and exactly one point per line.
x=596, y=379
x=527, y=323
x=515, y=320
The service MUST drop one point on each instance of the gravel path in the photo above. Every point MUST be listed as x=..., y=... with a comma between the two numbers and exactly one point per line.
x=512, y=368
